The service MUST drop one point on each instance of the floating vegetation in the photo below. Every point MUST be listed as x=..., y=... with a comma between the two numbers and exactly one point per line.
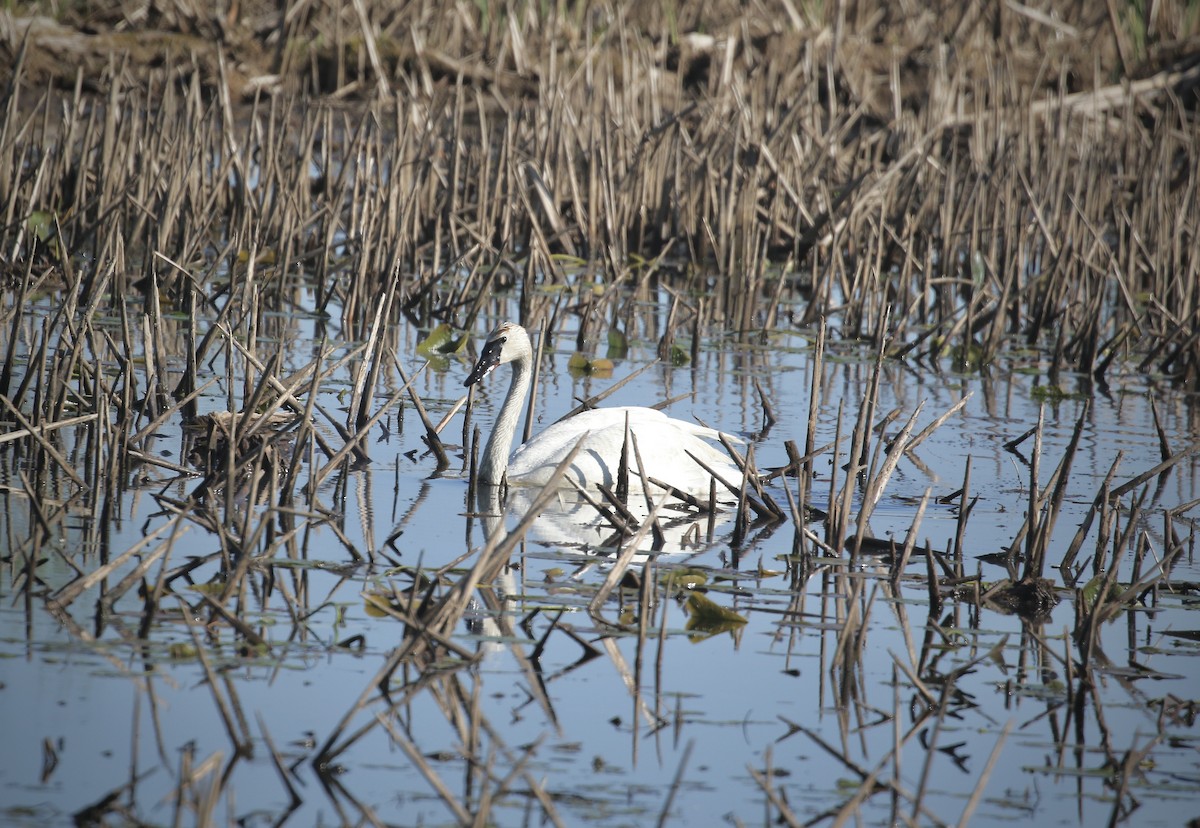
x=707, y=617
x=441, y=342
x=1032, y=599
x=583, y=364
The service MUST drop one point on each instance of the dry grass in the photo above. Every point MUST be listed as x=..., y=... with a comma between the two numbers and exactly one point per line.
x=951, y=183
x=783, y=171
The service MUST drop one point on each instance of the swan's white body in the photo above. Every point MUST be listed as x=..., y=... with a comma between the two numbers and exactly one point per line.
x=664, y=443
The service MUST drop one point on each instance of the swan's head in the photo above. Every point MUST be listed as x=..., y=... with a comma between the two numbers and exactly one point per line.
x=506, y=343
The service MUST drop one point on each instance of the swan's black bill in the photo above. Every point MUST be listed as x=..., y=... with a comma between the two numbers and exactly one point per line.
x=488, y=361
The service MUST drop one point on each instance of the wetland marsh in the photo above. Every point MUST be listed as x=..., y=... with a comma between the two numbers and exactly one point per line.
x=948, y=298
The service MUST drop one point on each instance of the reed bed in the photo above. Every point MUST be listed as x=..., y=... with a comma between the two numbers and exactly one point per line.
x=169, y=211
x=980, y=211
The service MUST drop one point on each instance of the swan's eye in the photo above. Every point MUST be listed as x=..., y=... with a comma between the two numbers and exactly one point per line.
x=502, y=339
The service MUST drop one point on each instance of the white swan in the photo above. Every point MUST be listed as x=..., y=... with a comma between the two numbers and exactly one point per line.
x=663, y=442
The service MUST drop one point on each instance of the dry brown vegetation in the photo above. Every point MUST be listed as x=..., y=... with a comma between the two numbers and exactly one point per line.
x=946, y=179
x=988, y=173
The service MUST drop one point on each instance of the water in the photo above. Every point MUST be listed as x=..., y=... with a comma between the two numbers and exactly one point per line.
x=610, y=727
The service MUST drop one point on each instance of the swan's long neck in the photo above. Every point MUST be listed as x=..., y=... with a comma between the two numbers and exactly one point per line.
x=499, y=445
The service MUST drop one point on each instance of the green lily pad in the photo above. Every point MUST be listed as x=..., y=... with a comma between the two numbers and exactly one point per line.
x=618, y=344
x=41, y=223
x=679, y=355
x=597, y=367
x=1051, y=393
x=688, y=578
x=379, y=603
x=1091, y=591
x=441, y=341
x=709, y=617
x=970, y=357
x=182, y=651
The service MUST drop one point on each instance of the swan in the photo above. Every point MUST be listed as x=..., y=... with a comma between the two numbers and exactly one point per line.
x=663, y=442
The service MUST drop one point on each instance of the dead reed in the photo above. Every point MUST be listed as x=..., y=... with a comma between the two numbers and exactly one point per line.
x=167, y=219
x=1037, y=217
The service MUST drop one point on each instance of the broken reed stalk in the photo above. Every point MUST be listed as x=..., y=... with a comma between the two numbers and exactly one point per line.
x=366, y=374
x=354, y=442
x=431, y=776
x=877, y=482
x=676, y=782
x=655, y=526
x=1101, y=501
x=239, y=739
x=619, y=568
x=1033, y=509
x=804, y=465
x=622, y=517
x=432, y=440
x=1040, y=532
x=910, y=539
x=764, y=782
x=964, y=511
x=932, y=582
x=871, y=781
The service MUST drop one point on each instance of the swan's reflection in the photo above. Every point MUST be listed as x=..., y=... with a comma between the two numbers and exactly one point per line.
x=570, y=528
x=571, y=523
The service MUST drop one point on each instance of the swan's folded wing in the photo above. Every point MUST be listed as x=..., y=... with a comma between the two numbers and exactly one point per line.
x=663, y=443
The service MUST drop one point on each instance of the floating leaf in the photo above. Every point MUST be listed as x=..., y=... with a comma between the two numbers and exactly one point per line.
x=181, y=651
x=265, y=256
x=688, y=578
x=41, y=223
x=601, y=367
x=1051, y=393
x=768, y=573
x=379, y=603
x=567, y=260
x=679, y=355
x=441, y=341
x=1091, y=591
x=580, y=364
x=969, y=357
x=709, y=617
x=618, y=344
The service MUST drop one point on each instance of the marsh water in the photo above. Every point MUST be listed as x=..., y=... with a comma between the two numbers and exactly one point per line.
x=673, y=722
